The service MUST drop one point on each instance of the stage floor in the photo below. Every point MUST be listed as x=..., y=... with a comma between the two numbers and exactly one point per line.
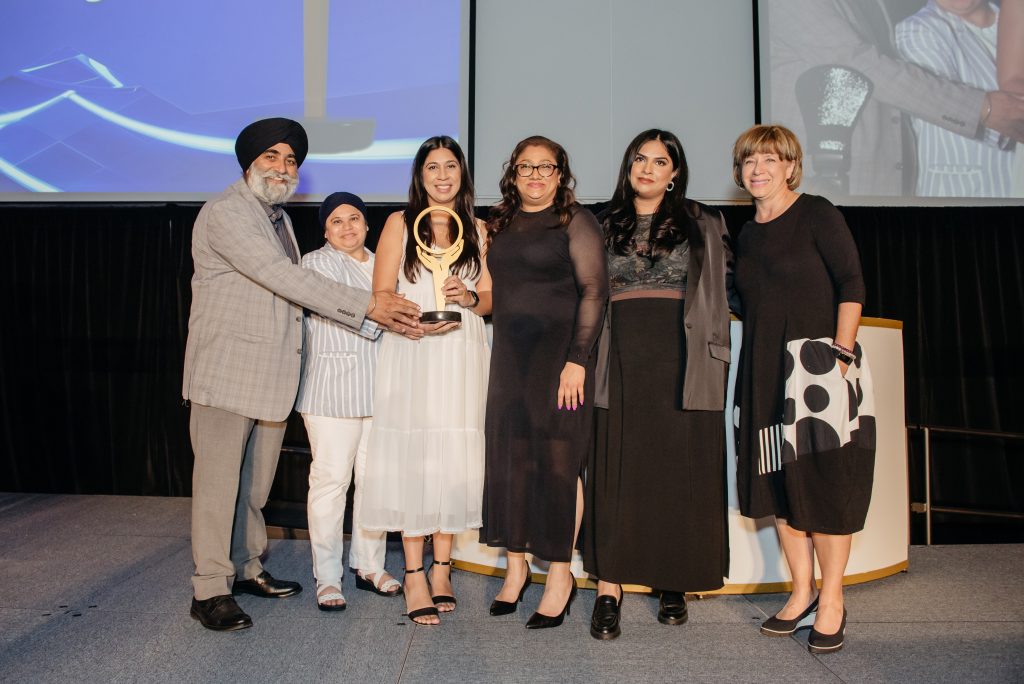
x=96, y=588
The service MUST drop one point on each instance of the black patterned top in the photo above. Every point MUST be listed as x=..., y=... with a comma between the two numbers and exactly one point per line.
x=638, y=271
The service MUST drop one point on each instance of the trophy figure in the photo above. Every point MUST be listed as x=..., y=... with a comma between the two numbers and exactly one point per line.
x=438, y=261
x=831, y=98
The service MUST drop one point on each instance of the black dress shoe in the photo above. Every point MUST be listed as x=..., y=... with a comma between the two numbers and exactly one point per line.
x=776, y=626
x=220, y=613
x=540, y=621
x=266, y=586
x=672, y=608
x=509, y=607
x=604, y=622
x=827, y=643
x=429, y=611
x=439, y=599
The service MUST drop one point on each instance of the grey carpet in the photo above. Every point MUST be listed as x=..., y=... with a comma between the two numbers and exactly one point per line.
x=96, y=588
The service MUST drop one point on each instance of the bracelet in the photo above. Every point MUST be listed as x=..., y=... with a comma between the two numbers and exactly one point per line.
x=845, y=350
x=476, y=299
x=373, y=303
x=988, y=110
x=843, y=354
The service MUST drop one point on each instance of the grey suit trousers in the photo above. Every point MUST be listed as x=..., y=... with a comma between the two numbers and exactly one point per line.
x=232, y=454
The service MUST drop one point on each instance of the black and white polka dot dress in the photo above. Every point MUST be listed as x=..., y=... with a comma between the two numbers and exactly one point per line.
x=805, y=433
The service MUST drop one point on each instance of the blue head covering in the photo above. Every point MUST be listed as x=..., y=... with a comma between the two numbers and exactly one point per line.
x=335, y=200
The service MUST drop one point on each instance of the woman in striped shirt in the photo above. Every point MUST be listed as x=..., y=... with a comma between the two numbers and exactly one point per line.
x=336, y=402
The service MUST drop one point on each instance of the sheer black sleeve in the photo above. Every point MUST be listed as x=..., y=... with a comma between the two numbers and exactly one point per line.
x=590, y=269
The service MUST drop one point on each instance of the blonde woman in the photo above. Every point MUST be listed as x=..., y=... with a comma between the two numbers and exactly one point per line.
x=806, y=429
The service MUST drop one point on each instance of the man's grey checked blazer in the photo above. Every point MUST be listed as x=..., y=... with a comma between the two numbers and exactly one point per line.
x=244, y=346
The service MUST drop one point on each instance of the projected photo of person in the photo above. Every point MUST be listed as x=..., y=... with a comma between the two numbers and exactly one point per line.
x=1010, y=71
x=837, y=79
x=956, y=39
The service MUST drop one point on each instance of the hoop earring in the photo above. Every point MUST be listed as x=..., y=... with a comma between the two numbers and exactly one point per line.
x=671, y=186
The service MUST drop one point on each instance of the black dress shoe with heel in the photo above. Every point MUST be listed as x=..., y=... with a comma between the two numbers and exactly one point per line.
x=508, y=607
x=777, y=627
x=220, y=613
x=429, y=611
x=265, y=586
x=444, y=598
x=604, y=622
x=672, y=608
x=540, y=621
x=827, y=643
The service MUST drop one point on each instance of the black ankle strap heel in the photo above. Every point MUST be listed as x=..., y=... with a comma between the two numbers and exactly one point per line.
x=441, y=598
x=421, y=612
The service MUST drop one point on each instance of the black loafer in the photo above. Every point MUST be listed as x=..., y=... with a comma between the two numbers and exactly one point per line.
x=266, y=586
x=220, y=613
x=604, y=622
x=672, y=608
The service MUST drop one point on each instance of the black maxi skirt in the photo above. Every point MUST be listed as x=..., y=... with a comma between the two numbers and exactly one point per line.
x=655, y=510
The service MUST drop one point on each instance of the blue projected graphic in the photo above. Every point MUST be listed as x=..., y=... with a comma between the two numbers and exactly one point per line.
x=119, y=97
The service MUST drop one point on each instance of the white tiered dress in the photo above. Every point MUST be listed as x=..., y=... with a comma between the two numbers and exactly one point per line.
x=425, y=458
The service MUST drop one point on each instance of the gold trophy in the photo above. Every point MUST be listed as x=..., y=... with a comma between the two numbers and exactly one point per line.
x=438, y=261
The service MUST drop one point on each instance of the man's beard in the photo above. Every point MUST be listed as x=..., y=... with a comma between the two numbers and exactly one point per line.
x=271, y=193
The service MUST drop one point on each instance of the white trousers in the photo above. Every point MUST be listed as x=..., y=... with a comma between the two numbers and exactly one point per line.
x=337, y=444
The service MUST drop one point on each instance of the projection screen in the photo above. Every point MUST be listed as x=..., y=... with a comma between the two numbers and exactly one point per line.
x=888, y=98
x=118, y=100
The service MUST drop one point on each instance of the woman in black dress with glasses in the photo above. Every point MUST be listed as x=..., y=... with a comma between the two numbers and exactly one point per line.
x=547, y=264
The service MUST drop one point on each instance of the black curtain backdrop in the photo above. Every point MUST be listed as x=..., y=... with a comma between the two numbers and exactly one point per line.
x=98, y=300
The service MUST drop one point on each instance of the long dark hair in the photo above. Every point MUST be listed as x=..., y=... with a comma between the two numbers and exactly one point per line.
x=671, y=222
x=468, y=263
x=504, y=211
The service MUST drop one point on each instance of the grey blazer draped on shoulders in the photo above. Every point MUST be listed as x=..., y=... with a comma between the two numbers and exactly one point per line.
x=705, y=317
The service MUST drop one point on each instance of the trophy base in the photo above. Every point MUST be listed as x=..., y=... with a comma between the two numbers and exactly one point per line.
x=440, y=317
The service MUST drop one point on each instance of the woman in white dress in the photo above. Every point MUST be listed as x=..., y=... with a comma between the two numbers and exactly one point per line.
x=335, y=400
x=425, y=465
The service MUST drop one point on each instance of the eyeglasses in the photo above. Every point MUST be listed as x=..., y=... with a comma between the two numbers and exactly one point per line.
x=545, y=170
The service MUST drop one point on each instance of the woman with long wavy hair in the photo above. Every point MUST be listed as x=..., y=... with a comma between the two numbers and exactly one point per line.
x=655, y=506
x=547, y=261
x=425, y=458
